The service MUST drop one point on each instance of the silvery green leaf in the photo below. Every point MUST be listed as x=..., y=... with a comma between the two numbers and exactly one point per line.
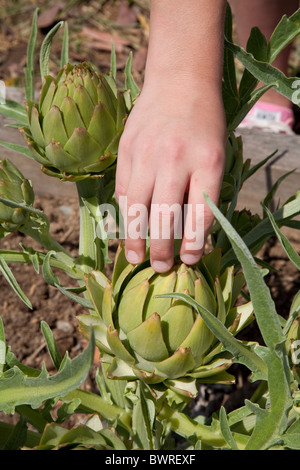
x=225, y=429
x=45, y=50
x=18, y=389
x=29, y=69
x=2, y=347
x=65, y=47
x=51, y=345
x=8, y=275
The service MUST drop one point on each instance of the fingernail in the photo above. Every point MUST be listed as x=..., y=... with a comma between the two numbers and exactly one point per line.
x=160, y=266
x=132, y=257
x=189, y=259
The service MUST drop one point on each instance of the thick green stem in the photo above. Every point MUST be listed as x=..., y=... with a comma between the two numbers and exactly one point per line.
x=11, y=256
x=185, y=426
x=45, y=239
x=88, y=253
x=93, y=403
x=32, y=437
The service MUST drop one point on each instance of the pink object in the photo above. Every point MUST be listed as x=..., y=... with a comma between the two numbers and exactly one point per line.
x=269, y=117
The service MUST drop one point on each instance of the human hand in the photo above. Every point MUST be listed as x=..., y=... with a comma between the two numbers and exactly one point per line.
x=171, y=151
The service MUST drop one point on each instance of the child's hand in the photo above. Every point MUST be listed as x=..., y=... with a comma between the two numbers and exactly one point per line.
x=171, y=151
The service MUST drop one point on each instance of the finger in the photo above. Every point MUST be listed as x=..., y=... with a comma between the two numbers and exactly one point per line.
x=165, y=218
x=123, y=171
x=136, y=210
x=198, y=216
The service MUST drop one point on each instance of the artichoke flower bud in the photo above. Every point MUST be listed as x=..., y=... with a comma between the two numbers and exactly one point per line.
x=75, y=129
x=164, y=340
x=14, y=187
x=293, y=339
x=236, y=169
x=243, y=222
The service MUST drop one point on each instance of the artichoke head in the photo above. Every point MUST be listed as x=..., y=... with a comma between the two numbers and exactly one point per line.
x=293, y=338
x=75, y=128
x=236, y=169
x=164, y=340
x=14, y=187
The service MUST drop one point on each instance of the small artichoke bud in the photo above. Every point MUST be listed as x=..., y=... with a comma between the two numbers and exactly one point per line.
x=75, y=128
x=293, y=340
x=14, y=187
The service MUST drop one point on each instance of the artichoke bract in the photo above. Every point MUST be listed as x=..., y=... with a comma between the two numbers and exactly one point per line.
x=16, y=188
x=75, y=129
x=293, y=338
x=157, y=339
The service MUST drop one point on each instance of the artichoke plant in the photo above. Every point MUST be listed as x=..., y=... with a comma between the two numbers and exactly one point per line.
x=74, y=131
x=14, y=187
x=164, y=340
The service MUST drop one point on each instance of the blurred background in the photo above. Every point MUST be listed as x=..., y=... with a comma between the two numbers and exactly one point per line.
x=93, y=25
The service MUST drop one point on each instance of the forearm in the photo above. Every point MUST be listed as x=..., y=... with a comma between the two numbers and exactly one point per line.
x=186, y=40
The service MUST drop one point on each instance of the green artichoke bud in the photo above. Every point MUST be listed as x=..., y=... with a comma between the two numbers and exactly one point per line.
x=14, y=187
x=75, y=129
x=236, y=169
x=164, y=340
x=243, y=222
x=293, y=338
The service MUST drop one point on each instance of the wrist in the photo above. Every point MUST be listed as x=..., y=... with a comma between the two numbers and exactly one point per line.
x=182, y=91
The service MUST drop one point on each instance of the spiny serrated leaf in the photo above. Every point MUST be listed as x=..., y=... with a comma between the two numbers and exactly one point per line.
x=263, y=303
x=265, y=72
x=284, y=33
x=271, y=423
x=19, y=389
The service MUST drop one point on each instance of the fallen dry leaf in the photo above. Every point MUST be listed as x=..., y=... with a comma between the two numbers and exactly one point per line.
x=126, y=14
x=139, y=59
x=49, y=16
x=98, y=35
x=144, y=22
x=103, y=40
x=105, y=46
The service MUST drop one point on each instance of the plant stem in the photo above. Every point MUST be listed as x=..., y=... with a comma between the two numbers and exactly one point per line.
x=93, y=403
x=88, y=253
x=11, y=256
x=186, y=427
x=45, y=239
x=32, y=438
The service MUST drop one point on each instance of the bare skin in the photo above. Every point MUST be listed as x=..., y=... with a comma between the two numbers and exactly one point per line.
x=173, y=145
